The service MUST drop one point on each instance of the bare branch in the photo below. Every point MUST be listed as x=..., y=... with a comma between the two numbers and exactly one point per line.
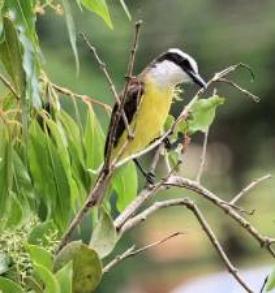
x=264, y=241
x=241, y=89
x=204, y=224
x=249, y=187
x=132, y=252
x=203, y=156
x=86, y=99
x=103, y=67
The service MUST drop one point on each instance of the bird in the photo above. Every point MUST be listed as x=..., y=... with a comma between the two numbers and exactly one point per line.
x=148, y=101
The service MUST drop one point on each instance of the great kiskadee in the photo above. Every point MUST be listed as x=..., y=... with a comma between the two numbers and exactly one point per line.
x=149, y=99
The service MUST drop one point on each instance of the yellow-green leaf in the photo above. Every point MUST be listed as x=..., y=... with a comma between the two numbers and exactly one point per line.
x=40, y=256
x=125, y=184
x=48, y=278
x=99, y=7
x=8, y=286
x=87, y=268
x=104, y=237
x=203, y=113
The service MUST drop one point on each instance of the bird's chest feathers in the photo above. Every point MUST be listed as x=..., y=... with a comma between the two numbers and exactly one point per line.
x=154, y=108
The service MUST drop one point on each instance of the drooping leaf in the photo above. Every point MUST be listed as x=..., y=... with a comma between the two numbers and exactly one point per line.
x=5, y=169
x=8, y=286
x=125, y=184
x=40, y=256
x=65, y=278
x=48, y=278
x=125, y=8
x=87, y=268
x=99, y=7
x=76, y=149
x=203, y=113
x=93, y=141
x=11, y=55
x=270, y=284
x=23, y=186
x=104, y=237
x=15, y=212
x=38, y=236
x=71, y=30
x=49, y=176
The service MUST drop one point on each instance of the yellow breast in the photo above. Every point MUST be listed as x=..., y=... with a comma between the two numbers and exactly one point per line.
x=149, y=120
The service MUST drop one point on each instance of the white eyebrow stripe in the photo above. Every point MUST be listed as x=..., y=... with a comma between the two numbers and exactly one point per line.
x=192, y=61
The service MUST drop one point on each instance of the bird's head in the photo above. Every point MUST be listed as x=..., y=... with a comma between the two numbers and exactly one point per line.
x=174, y=67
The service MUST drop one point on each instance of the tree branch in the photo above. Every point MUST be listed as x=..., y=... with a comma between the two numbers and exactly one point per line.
x=132, y=252
x=204, y=224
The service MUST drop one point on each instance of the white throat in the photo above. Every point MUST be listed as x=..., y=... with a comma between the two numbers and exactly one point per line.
x=168, y=74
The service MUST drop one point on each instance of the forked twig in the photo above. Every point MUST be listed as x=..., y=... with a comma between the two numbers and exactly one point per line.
x=132, y=252
x=204, y=224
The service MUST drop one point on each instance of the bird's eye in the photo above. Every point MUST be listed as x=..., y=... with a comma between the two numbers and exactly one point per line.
x=186, y=64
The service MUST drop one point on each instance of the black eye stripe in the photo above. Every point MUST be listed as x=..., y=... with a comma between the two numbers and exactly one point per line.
x=177, y=59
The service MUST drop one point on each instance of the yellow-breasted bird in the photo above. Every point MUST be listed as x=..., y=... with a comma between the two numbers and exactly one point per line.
x=149, y=99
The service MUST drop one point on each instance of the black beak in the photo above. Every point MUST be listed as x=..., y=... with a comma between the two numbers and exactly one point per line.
x=197, y=79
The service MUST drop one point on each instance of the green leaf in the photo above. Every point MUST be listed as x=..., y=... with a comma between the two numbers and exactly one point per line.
x=55, y=190
x=270, y=284
x=65, y=278
x=4, y=263
x=125, y=184
x=76, y=149
x=87, y=268
x=11, y=55
x=100, y=8
x=15, y=212
x=125, y=8
x=93, y=141
x=23, y=186
x=5, y=169
x=203, y=113
x=104, y=237
x=48, y=278
x=38, y=235
x=8, y=286
x=40, y=256
x=21, y=14
x=71, y=30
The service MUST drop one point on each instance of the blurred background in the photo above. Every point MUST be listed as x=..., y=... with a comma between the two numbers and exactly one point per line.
x=241, y=141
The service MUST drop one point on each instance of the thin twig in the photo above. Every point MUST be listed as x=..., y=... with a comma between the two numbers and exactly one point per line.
x=103, y=67
x=249, y=187
x=203, y=157
x=132, y=252
x=241, y=89
x=9, y=86
x=204, y=224
x=84, y=98
x=120, y=108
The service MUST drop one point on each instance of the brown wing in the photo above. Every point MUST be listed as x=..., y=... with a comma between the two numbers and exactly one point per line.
x=135, y=91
